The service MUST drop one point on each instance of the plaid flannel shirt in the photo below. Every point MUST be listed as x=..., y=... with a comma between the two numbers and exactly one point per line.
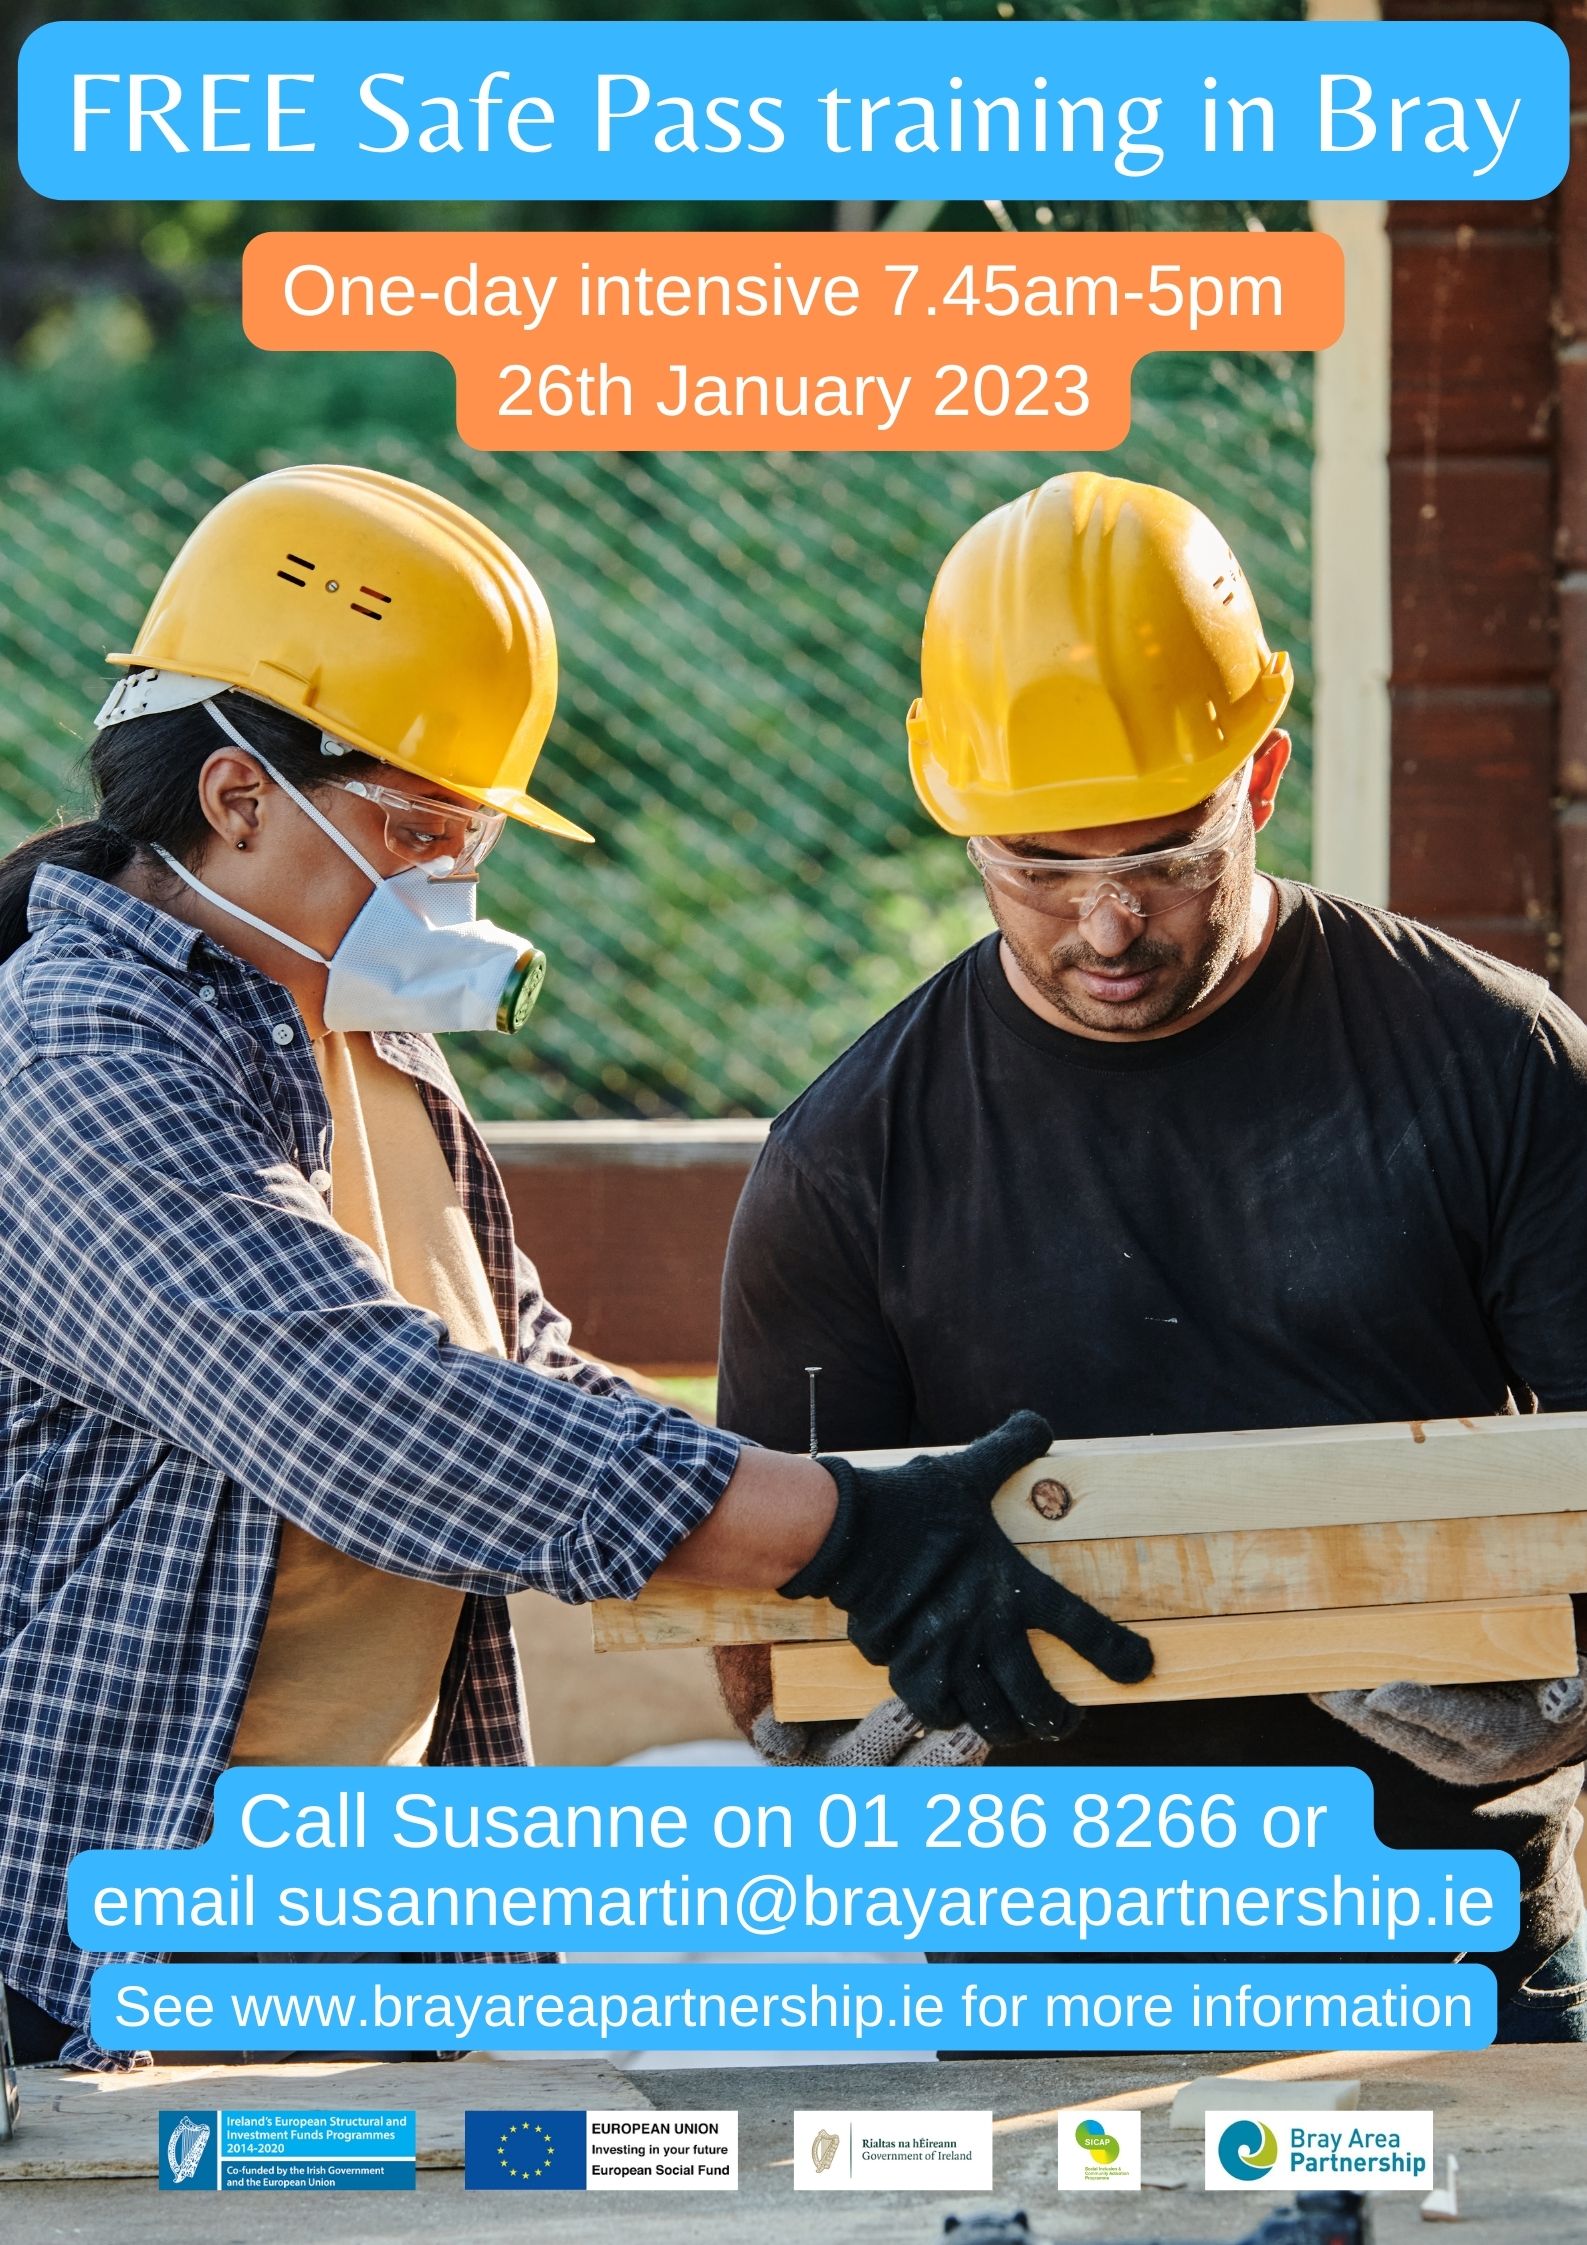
x=191, y=1351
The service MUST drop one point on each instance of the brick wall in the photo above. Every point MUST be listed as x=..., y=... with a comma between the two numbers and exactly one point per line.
x=628, y=1224
x=1481, y=349
x=1488, y=477
x=1570, y=339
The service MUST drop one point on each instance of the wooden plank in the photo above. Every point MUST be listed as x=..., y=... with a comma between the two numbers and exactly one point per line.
x=1296, y=1477
x=1245, y=1656
x=1253, y=1570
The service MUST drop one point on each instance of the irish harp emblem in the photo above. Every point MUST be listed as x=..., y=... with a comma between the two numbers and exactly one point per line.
x=185, y=2147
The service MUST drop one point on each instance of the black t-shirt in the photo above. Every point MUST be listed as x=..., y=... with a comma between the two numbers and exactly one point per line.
x=1357, y=1191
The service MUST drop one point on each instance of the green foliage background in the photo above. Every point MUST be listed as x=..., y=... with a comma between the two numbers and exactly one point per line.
x=739, y=634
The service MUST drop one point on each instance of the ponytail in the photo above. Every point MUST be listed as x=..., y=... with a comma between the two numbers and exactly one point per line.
x=145, y=775
x=87, y=845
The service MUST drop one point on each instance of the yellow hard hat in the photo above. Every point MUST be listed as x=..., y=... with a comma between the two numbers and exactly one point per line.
x=1092, y=656
x=377, y=611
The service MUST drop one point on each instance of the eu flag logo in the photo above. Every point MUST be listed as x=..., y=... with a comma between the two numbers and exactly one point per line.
x=524, y=2150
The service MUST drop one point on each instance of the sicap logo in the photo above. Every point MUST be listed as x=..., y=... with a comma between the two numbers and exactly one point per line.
x=1098, y=2146
x=1099, y=2150
x=1319, y=2150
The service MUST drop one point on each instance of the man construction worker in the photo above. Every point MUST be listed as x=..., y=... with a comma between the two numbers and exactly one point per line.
x=284, y=1414
x=1179, y=1148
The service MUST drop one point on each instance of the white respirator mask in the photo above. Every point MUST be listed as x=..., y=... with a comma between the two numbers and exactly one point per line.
x=415, y=957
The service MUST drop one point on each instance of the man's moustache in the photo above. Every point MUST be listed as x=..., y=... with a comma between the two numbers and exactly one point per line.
x=1140, y=957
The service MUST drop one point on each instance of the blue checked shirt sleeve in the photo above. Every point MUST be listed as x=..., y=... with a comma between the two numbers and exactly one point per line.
x=167, y=1263
x=545, y=1338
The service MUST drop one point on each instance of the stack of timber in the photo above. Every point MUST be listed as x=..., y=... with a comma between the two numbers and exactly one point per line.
x=1439, y=1551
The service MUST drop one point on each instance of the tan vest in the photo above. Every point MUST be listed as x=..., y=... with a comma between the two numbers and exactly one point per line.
x=350, y=1664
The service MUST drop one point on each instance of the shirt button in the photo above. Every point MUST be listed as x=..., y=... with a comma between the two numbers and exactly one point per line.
x=320, y=1179
x=207, y=992
x=283, y=1033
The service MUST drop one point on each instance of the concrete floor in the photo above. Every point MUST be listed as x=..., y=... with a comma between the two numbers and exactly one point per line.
x=1517, y=2120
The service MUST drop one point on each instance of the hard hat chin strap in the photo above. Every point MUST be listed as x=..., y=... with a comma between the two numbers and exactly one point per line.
x=326, y=825
x=238, y=911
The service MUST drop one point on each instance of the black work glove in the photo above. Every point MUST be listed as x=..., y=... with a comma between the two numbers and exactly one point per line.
x=937, y=1595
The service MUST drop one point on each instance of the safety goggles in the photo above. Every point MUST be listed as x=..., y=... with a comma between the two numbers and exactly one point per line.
x=1145, y=885
x=421, y=831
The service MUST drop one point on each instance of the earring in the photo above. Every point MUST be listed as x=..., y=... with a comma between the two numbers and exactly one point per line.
x=242, y=845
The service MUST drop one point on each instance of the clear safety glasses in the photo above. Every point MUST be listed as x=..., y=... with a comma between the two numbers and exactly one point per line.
x=421, y=831
x=1145, y=885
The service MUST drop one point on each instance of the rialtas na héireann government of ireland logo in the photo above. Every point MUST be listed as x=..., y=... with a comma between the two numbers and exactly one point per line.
x=1099, y=2147
x=1247, y=2150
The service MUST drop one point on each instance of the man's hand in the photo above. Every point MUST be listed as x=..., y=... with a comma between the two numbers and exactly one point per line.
x=937, y=1595
x=888, y=1737
x=1473, y=1734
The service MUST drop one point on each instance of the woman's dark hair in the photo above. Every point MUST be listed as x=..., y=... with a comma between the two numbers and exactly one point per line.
x=145, y=779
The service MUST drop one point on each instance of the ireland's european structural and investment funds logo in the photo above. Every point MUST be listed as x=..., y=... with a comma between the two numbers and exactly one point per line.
x=1319, y=2151
x=1099, y=2150
x=296, y=2149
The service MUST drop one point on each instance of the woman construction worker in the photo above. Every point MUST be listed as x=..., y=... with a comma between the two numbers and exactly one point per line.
x=284, y=1414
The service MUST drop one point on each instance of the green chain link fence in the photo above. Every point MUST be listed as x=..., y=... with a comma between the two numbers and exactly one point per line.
x=739, y=637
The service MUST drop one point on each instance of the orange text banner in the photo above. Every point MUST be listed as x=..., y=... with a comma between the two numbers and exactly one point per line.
x=817, y=342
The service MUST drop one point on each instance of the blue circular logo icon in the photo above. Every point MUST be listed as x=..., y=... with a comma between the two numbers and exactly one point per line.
x=1247, y=2150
